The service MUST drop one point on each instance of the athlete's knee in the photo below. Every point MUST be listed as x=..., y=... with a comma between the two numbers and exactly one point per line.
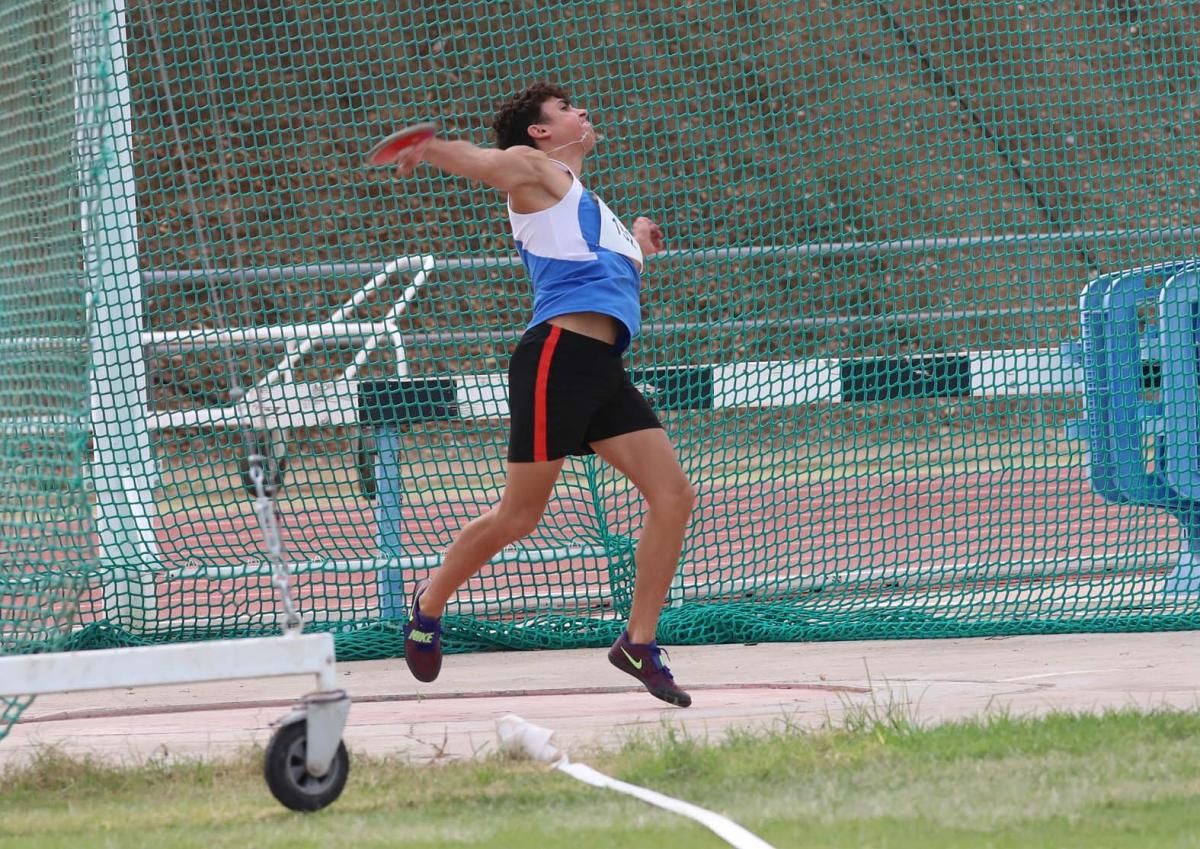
x=677, y=499
x=514, y=523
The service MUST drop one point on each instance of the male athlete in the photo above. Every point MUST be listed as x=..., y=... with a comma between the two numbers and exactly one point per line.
x=569, y=393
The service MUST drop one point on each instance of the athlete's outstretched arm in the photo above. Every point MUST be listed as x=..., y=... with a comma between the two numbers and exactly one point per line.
x=505, y=170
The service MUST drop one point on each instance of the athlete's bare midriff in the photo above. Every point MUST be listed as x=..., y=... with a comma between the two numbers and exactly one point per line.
x=594, y=324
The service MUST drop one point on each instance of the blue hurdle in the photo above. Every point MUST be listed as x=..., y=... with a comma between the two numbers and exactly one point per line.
x=1119, y=418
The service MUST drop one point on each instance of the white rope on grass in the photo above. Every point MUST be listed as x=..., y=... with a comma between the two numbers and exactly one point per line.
x=517, y=736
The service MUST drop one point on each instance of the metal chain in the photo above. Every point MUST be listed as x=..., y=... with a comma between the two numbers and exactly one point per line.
x=269, y=525
x=265, y=506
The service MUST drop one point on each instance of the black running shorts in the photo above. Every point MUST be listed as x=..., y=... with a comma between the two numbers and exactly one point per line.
x=567, y=390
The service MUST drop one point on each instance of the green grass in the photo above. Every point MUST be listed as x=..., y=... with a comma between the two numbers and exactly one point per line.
x=1123, y=779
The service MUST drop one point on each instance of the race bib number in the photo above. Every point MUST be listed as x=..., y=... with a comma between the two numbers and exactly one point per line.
x=615, y=236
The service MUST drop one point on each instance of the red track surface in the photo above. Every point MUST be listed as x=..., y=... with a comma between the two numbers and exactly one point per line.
x=767, y=529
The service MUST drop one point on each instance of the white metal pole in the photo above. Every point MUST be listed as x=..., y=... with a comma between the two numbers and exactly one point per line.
x=178, y=663
x=125, y=473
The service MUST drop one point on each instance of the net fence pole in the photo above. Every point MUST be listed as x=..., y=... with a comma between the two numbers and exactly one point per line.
x=124, y=505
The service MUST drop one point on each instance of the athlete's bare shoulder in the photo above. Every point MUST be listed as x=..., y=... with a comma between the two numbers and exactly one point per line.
x=545, y=183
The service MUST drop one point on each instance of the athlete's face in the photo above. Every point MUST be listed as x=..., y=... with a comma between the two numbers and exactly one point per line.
x=563, y=126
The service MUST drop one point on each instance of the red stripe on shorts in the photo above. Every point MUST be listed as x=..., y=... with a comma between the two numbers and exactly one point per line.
x=539, y=395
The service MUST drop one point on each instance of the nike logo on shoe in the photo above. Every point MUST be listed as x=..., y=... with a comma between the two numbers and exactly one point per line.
x=420, y=636
x=636, y=664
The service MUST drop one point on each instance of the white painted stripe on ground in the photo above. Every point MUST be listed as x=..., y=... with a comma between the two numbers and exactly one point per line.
x=1067, y=672
x=521, y=737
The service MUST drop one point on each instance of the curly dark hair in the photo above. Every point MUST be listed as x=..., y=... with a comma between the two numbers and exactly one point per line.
x=515, y=115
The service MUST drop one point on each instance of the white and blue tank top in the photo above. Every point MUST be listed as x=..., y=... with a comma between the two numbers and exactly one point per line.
x=580, y=258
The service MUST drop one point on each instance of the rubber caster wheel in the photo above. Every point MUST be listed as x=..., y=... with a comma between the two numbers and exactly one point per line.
x=288, y=777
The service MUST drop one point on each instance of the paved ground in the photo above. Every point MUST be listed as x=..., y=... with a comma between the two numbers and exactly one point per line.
x=588, y=703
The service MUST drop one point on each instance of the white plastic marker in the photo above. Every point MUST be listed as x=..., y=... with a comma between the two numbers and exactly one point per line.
x=524, y=738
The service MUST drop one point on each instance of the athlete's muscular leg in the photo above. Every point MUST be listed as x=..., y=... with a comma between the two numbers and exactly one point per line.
x=648, y=459
x=526, y=492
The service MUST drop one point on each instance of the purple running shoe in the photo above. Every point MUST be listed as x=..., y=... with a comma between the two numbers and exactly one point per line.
x=422, y=640
x=644, y=662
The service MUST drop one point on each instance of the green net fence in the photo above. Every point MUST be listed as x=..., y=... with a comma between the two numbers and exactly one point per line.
x=47, y=122
x=865, y=339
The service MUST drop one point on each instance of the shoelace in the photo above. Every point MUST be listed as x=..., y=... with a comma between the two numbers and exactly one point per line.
x=420, y=622
x=658, y=661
